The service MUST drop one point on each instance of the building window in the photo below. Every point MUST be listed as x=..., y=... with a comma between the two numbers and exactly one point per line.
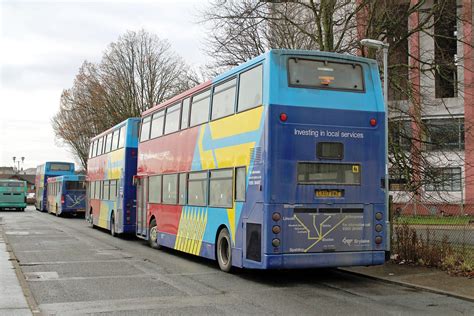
x=445, y=42
x=398, y=179
x=444, y=134
x=400, y=134
x=220, y=190
x=154, y=189
x=197, y=188
x=170, y=188
x=443, y=179
x=250, y=89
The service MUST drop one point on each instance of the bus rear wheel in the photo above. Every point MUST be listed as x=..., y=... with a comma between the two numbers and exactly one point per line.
x=153, y=235
x=224, y=250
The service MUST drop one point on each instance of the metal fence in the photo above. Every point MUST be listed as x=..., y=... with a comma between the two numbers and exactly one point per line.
x=441, y=236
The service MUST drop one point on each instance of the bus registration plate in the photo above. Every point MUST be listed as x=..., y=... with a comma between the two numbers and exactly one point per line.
x=329, y=193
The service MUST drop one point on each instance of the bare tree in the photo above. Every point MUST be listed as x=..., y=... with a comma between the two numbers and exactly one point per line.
x=136, y=72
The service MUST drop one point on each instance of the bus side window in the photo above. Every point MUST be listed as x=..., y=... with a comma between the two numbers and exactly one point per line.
x=200, y=108
x=172, y=118
x=113, y=190
x=154, y=189
x=185, y=114
x=197, y=188
x=115, y=140
x=223, y=100
x=106, y=194
x=240, y=184
x=157, y=124
x=108, y=142
x=145, y=132
x=122, y=136
x=183, y=179
x=250, y=89
x=100, y=146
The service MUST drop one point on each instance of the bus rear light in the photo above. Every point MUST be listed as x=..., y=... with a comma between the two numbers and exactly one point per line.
x=128, y=219
x=276, y=229
x=133, y=152
x=378, y=228
x=378, y=240
x=373, y=122
x=378, y=216
x=283, y=117
x=276, y=242
x=276, y=216
x=62, y=199
x=128, y=212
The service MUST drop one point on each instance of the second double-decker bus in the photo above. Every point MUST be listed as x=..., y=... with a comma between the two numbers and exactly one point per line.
x=277, y=163
x=13, y=194
x=67, y=195
x=43, y=172
x=110, y=169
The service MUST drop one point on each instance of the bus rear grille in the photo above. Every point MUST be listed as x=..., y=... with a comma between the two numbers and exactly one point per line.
x=7, y=194
x=254, y=242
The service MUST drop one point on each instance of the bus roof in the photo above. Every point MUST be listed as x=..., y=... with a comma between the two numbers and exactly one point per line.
x=70, y=177
x=114, y=127
x=180, y=96
x=253, y=61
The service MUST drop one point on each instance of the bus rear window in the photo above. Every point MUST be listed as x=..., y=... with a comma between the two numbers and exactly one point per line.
x=75, y=185
x=59, y=167
x=328, y=173
x=324, y=74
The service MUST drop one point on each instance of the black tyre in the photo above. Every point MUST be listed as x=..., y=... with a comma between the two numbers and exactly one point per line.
x=153, y=235
x=57, y=211
x=224, y=250
x=112, y=226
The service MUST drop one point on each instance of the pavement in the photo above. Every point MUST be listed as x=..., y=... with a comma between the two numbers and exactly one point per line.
x=12, y=298
x=428, y=279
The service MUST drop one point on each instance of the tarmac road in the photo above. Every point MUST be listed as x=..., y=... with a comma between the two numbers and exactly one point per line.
x=73, y=269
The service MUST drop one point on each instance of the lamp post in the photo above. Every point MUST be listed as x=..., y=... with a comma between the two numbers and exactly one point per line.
x=371, y=43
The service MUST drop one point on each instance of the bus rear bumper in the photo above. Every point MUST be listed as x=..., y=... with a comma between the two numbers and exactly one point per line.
x=322, y=260
x=13, y=205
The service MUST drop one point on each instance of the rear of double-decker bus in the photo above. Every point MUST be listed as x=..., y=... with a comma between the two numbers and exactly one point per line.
x=324, y=163
x=110, y=169
x=45, y=171
x=13, y=194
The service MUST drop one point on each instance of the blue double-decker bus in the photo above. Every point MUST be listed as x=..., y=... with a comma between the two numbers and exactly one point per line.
x=278, y=163
x=43, y=172
x=67, y=195
x=110, y=169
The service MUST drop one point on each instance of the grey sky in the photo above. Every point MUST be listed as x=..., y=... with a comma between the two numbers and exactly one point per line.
x=43, y=44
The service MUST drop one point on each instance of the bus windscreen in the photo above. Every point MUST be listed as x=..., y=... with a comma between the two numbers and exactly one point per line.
x=324, y=74
x=59, y=167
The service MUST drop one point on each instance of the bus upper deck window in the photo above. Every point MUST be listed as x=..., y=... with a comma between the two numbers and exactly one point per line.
x=325, y=74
